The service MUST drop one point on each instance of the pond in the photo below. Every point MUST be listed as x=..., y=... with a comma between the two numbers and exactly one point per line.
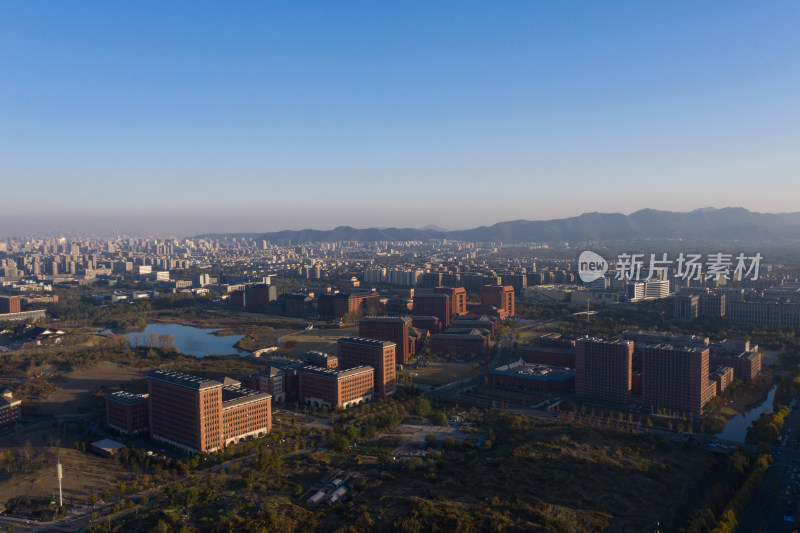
x=736, y=429
x=190, y=340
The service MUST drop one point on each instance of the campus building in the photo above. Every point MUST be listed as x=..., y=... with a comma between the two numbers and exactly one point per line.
x=433, y=304
x=389, y=328
x=10, y=304
x=687, y=307
x=458, y=299
x=499, y=296
x=320, y=359
x=531, y=377
x=380, y=355
x=342, y=303
x=127, y=412
x=676, y=378
x=458, y=342
x=10, y=409
x=199, y=414
x=335, y=388
x=603, y=369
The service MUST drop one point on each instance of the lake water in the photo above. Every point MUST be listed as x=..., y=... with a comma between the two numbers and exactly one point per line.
x=736, y=429
x=192, y=341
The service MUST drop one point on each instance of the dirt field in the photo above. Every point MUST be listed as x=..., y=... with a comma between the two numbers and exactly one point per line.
x=84, y=474
x=74, y=390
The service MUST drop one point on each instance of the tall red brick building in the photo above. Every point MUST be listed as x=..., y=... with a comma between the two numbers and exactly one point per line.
x=10, y=304
x=603, y=369
x=499, y=296
x=380, y=355
x=458, y=299
x=199, y=414
x=394, y=329
x=676, y=378
x=433, y=304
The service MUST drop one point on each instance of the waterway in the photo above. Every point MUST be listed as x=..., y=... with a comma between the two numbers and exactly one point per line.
x=736, y=429
x=190, y=340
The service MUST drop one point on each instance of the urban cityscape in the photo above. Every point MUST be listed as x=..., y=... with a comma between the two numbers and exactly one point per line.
x=355, y=267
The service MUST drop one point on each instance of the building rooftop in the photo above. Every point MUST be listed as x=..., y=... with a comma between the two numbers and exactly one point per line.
x=184, y=380
x=127, y=398
x=623, y=342
x=235, y=396
x=333, y=373
x=389, y=319
x=366, y=342
x=314, y=355
x=678, y=348
x=534, y=371
x=7, y=399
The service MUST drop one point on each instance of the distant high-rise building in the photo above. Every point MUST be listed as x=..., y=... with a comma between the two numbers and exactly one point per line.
x=687, y=307
x=10, y=304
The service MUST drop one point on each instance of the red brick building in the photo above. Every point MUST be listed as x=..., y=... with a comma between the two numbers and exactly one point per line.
x=603, y=369
x=10, y=409
x=343, y=303
x=335, y=388
x=676, y=378
x=127, y=413
x=499, y=296
x=10, y=304
x=433, y=304
x=481, y=322
x=245, y=413
x=458, y=299
x=459, y=342
x=394, y=329
x=564, y=357
x=380, y=355
x=428, y=323
x=746, y=365
x=198, y=414
x=320, y=359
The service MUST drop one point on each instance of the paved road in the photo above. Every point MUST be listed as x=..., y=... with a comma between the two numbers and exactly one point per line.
x=767, y=508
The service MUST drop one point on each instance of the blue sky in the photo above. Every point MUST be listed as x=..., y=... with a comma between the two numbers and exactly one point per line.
x=201, y=116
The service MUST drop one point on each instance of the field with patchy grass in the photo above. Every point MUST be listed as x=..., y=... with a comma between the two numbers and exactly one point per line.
x=437, y=373
x=296, y=344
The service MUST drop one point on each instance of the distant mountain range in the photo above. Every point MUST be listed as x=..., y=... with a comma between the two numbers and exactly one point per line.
x=708, y=224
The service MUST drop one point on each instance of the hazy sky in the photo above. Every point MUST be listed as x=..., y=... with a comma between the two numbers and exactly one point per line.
x=213, y=116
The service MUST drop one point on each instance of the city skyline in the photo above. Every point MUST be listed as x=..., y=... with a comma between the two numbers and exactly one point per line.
x=269, y=117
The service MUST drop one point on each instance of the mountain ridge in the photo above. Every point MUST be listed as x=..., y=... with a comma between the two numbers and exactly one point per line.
x=728, y=223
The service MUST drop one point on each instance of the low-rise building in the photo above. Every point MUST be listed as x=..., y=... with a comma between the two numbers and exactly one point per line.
x=127, y=412
x=10, y=409
x=532, y=377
